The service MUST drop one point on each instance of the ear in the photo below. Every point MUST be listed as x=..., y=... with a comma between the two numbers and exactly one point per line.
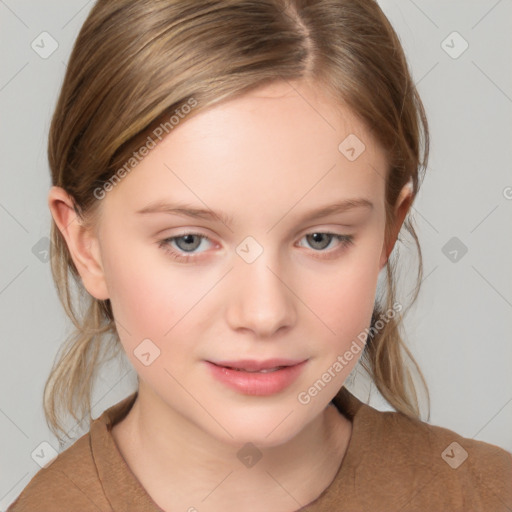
x=403, y=204
x=82, y=243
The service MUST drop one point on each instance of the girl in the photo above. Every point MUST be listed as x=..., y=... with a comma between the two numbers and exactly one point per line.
x=229, y=181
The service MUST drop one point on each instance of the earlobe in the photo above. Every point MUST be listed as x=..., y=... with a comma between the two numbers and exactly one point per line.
x=82, y=243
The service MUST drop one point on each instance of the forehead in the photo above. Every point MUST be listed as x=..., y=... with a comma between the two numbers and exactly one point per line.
x=298, y=113
x=281, y=144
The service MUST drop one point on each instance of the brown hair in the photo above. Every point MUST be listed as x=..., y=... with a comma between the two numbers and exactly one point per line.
x=135, y=63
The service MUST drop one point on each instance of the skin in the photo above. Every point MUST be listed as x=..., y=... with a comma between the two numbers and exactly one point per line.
x=266, y=159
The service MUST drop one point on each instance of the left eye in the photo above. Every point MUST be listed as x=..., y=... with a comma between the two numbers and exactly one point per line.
x=189, y=242
x=318, y=239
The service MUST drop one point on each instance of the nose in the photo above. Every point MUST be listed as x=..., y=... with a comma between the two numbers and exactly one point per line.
x=261, y=300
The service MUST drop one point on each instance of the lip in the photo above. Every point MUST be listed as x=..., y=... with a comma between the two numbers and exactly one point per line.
x=253, y=365
x=261, y=384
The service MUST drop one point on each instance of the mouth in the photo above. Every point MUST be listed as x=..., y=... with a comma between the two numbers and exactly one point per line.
x=251, y=377
x=265, y=370
x=253, y=366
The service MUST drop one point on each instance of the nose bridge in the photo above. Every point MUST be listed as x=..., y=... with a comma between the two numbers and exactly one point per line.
x=261, y=301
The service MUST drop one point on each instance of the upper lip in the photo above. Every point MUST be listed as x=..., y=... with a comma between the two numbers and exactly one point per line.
x=252, y=365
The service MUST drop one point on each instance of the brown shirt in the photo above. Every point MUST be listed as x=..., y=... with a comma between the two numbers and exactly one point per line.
x=392, y=463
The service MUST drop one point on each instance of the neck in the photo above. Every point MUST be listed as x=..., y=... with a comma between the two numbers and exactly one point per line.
x=182, y=466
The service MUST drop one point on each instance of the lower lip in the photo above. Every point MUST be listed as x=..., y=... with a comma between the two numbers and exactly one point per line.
x=261, y=384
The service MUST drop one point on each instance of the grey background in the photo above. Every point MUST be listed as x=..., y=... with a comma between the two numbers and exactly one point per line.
x=459, y=330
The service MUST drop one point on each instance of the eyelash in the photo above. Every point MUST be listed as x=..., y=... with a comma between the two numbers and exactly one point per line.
x=345, y=241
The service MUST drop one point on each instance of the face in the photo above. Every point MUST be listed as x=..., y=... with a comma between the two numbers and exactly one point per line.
x=260, y=280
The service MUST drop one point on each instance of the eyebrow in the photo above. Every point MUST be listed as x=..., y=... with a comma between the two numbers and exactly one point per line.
x=186, y=210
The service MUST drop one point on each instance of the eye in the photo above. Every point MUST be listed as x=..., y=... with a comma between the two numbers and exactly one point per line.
x=187, y=244
x=321, y=240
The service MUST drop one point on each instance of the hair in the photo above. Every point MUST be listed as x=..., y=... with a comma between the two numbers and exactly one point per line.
x=136, y=63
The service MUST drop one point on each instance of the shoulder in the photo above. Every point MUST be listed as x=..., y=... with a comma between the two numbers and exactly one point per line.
x=69, y=482
x=433, y=460
x=400, y=434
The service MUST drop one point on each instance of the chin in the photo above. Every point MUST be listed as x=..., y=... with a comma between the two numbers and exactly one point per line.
x=271, y=431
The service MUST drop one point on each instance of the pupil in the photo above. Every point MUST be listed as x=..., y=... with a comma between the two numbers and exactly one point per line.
x=187, y=240
x=317, y=239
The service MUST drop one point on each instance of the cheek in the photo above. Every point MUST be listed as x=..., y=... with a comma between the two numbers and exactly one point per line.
x=150, y=311
x=146, y=300
x=344, y=295
x=152, y=298
x=341, y=290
